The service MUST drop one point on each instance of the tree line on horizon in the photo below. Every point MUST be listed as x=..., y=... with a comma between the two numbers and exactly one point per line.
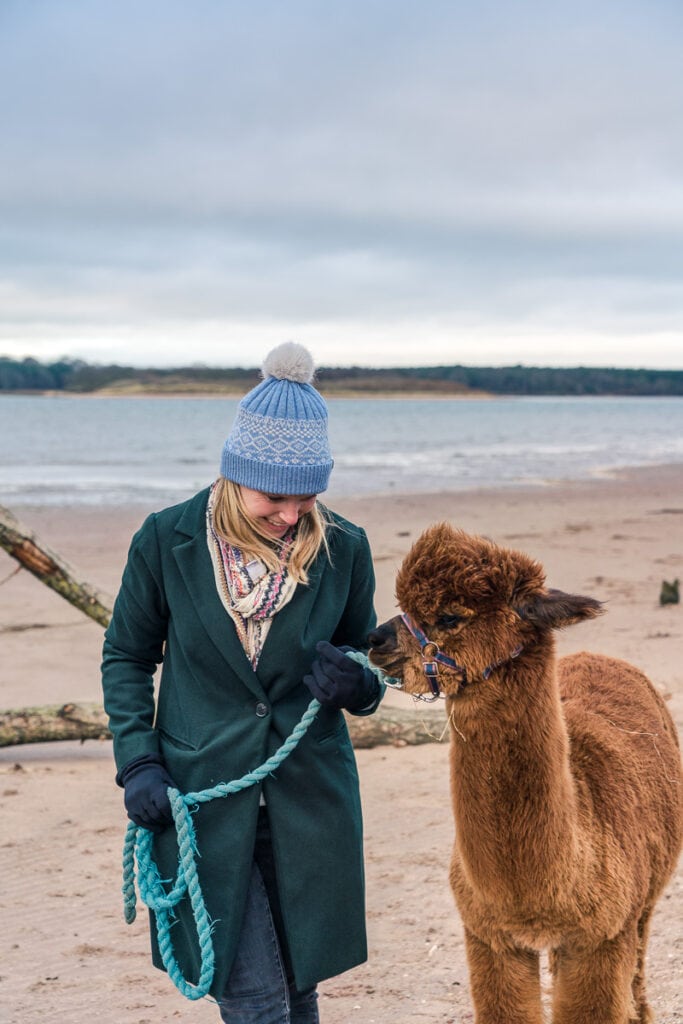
x=76, y=376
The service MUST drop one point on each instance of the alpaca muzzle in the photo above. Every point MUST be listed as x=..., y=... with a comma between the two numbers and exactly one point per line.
x=384, y=648
x=383, y=651
x=432, y=657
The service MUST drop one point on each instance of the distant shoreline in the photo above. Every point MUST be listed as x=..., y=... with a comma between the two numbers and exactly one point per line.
x=438, y=396
x=29, y=376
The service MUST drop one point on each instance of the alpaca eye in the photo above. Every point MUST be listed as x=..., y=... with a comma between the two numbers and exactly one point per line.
x=449, y=620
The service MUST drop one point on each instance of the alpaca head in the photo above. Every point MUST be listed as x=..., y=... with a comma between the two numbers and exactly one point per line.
x=477, y=602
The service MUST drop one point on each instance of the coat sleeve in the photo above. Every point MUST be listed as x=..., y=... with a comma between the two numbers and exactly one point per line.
x=359, y=616
x=133, y=648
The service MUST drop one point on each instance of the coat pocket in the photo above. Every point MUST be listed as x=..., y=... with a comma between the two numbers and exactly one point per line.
x=331, y=731
x=179, y=742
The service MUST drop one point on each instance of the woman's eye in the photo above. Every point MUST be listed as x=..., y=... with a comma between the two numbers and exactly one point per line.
x=449, y=620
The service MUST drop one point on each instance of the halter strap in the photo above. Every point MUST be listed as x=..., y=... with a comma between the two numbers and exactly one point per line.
x=431, y=659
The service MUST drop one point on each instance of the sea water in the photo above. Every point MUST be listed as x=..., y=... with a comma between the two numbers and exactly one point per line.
x=63, y=450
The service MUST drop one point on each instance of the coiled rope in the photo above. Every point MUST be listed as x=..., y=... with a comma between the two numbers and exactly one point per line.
x=138, y=847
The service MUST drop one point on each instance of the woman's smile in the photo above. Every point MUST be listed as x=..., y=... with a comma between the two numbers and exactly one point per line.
x=275, y=526
x=276, y=513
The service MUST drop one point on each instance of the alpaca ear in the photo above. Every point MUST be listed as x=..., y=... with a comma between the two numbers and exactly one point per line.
x=554, y=609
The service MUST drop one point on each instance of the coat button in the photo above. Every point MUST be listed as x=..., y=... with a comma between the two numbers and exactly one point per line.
x=261, y=710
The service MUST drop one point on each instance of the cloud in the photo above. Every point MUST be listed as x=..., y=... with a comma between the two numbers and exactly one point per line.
x=377, y=172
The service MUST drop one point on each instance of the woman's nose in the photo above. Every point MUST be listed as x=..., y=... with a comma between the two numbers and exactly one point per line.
x=290, y=512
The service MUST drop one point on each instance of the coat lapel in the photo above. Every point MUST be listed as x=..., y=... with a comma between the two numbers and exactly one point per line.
x=194, y=563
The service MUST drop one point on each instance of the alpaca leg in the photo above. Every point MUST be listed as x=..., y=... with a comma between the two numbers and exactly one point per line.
x=505, y=986
x=643, y=1013
x=595, y=986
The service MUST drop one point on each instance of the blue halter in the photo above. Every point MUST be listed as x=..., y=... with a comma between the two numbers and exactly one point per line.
x=431, y=659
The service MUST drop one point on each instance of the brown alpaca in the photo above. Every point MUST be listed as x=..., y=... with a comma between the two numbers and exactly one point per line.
x=565, y=780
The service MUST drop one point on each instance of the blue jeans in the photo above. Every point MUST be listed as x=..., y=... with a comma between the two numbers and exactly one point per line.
x=260, y=988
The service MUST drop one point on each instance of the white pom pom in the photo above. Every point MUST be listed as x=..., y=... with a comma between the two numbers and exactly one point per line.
x=289, y=362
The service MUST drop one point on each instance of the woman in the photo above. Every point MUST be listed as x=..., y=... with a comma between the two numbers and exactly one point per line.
x=246, y=592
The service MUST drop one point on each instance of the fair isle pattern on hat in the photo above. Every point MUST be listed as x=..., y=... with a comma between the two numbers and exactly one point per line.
x=278, y=442
x=281, y=441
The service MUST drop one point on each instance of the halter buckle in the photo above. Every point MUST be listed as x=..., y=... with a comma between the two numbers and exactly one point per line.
x=431, y=671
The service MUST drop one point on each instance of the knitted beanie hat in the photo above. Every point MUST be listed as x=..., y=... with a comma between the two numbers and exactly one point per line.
x=278, y=442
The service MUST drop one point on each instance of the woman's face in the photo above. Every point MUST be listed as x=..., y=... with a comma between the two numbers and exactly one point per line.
x=275, y=513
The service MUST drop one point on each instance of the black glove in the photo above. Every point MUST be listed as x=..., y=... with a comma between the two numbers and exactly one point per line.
x=338, y=682
x=145, y=781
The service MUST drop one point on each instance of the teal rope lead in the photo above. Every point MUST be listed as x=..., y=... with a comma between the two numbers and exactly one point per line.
x=137, y=847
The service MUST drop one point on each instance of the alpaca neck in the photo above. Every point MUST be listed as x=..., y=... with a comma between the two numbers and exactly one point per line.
x=513, y=793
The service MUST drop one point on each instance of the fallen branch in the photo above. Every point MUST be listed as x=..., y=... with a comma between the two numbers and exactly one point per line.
x=390, y=726
x=48, y=723
x=23, y=545
x=387, y=727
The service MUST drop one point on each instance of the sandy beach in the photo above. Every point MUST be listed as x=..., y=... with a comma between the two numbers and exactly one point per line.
x=67, y=955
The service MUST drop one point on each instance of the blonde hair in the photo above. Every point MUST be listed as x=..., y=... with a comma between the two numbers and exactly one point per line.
x=233, y=524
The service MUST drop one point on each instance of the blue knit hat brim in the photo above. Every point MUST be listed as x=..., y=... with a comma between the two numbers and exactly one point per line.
x=273, y=479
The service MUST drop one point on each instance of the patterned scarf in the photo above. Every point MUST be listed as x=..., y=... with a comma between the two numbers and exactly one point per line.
x=250, y=594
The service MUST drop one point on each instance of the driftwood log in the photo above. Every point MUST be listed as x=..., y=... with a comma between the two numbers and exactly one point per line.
x=23, y=545
x=388, y=726
x=43, y=724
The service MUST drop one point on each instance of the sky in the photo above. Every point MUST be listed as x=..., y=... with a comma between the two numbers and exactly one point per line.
x=388, y=182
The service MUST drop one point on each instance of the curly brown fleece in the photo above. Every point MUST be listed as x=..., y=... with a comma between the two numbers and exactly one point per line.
x=565, y=778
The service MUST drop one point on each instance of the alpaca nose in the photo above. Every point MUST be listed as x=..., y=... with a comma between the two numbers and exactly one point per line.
x=383, y=638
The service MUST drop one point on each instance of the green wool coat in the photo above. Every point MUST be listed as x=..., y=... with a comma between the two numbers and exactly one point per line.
x=215, y=719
